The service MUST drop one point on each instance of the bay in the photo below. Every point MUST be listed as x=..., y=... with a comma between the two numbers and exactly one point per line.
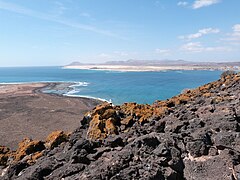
x=117, y=87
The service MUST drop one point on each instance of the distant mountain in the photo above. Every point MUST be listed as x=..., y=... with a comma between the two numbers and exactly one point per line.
x=132, y=62
x=75, y=64
x=230, y=63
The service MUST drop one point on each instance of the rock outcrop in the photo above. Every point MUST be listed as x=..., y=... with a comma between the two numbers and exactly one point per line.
x=195, y=135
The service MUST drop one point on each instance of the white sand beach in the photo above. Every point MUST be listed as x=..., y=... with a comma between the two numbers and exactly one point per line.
x=137, y=68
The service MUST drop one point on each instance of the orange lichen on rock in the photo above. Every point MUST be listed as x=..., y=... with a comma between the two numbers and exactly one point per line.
x=4, y=150
x=106, y=119
x=181, y=99
x=127, y=121
x=101, y=109
x=108, y=114
x=236, y=78
x=103, y=122
x=30, y=150
x=138, y=111
x=161, y=111
x=96, y=128
x=56, y=138
x=31, y=159
x=27, y=147
x=207, y=95
x=110, y=126
x=4, y=155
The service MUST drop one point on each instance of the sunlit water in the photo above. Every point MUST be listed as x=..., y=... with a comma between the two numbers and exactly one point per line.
x=118, y=87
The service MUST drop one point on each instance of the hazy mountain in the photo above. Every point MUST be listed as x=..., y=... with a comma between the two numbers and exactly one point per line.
x=132, y=62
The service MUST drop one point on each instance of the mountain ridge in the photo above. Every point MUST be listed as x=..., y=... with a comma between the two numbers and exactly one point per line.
x=156, y=63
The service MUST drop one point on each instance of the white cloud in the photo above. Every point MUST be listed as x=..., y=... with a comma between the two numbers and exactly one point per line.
x=114, y=55
x=104, y=55
x=192, y=47
x=84, y=14
x=209, y=30
x=163, y=51
x=48, y=17
x=60, y=8
x=200, y=33
x=197, y=47
x=236, y=30
x=234, y=36
x=159, y=4
x=120, y=53
x=203, y=3
x=182, y=3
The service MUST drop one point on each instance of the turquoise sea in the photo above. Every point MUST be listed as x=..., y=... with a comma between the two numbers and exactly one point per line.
x=118, y=87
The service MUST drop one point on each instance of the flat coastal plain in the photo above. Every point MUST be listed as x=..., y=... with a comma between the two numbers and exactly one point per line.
x=27, y=112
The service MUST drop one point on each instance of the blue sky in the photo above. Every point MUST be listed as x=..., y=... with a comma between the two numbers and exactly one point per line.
x=57, y=32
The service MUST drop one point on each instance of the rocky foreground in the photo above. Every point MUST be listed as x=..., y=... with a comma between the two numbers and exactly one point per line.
x=194, y=135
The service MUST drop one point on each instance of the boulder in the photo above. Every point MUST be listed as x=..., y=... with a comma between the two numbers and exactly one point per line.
x=4, y=155
x=56, y=138
x=27, y=147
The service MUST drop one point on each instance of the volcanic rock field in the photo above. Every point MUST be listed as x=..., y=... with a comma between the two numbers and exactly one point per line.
x=195, y=135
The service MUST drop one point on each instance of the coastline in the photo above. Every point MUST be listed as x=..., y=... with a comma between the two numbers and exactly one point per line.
x=27, y=111
x=68, y=90
x=198, y=128
x=124, y=68
x=43, y=87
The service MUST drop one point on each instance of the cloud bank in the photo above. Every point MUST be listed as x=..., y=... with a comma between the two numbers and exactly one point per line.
x=197, y=47
x=203, y=3
x=200, y=33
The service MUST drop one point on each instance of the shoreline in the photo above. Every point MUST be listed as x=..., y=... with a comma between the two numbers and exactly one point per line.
x=52, y=86
x=26, y=111
x=198, y=128
x=70, y=86
x=123, y=68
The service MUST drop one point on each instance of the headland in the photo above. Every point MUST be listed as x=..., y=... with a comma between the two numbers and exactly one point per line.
x=27, y=112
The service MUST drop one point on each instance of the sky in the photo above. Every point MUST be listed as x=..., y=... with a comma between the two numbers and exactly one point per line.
x=58, y=32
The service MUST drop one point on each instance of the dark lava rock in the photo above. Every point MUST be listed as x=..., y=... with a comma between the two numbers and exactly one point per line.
x=194, y=135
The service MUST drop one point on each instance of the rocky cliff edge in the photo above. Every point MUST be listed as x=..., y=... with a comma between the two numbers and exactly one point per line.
x=195, y=135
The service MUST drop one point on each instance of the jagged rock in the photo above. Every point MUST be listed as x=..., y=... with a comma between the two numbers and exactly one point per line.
x=104, y=122
x=128, y=121
x=55, y=138
x=4, y=155
x=197, y=148
x=65, y=171
x=14, y=170
x=27, y=147
x=114, y=141
x=194, y=135
x=4, y=150
x=44, y=168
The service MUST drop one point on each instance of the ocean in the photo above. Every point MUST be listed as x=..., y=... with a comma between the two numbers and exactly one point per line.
x=117, y=87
